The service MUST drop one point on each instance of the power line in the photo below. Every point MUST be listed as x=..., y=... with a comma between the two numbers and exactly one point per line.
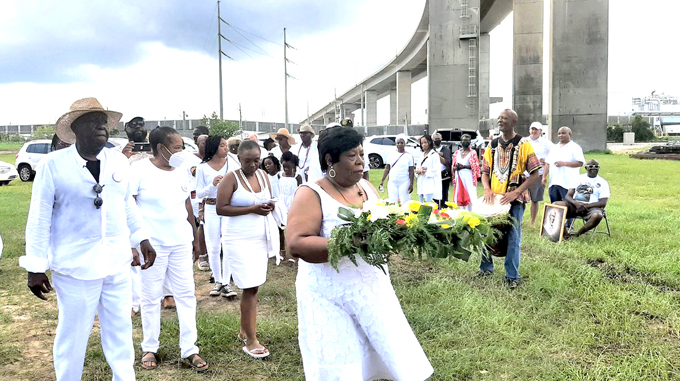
x=253, y=34
x=207, y=38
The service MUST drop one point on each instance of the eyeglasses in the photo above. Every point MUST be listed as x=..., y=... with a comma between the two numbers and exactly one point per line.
x=589, y=167
x=98, y=201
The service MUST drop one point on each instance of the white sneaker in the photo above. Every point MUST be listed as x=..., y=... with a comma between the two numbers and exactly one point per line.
x=216, y=290
x=228, y=292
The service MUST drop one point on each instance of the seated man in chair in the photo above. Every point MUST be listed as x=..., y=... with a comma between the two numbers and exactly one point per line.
x=588, y=198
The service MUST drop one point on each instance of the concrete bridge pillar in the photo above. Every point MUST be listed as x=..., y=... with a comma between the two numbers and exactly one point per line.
x=371, y=100
x=527, y=68
x=578, y=70
x=393, y=107
x=327, y=119
x=403, y=97
x=453, y=64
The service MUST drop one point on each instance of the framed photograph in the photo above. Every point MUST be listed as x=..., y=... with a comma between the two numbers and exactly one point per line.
x=552, y=225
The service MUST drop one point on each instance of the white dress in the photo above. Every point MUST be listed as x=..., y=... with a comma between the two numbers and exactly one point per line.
x=244, y=238
x=287, y=188
x=350, y=323
x=466, y=178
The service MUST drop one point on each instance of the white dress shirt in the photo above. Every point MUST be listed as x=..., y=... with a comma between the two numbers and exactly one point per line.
x=307, y=156
x=82, y=241
x=205, y=175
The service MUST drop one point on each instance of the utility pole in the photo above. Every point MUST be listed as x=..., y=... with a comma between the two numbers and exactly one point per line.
x=184, y=120
x=219, y=54
x=240, y=117
x=285, y=76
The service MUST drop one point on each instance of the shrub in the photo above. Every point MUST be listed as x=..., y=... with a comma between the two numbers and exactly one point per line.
x=221, y=127
x=642, y=130
x=615, y=133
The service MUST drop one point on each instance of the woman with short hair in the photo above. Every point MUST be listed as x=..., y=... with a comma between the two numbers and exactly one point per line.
x=162, y=195
x=208, y=176
x=427, y=171
x=249, y=237
x=350, y=323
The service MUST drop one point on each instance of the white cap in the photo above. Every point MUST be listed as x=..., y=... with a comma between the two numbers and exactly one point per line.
x=333, y=124
x=536, y=125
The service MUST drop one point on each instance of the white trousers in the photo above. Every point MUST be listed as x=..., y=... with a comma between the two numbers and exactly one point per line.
x=213, y=233
x=78, y=300
x=136, y=286
x=398, y=190
x=174, y=263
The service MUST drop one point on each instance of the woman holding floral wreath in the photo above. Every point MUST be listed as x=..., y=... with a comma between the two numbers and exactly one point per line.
x=351, y=325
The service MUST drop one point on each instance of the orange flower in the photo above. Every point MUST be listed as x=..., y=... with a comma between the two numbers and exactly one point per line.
x=444, y=215
x=401, y=222
x=435, y=211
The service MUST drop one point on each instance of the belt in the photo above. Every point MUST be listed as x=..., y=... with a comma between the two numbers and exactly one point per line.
x=210, y=201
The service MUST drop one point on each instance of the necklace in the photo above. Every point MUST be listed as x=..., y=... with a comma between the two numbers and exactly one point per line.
x=359, y=192
x=306, y=156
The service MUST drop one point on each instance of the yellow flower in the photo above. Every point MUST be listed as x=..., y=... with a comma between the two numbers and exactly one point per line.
x=445, y=226
x=410, y=218
x=473, y=222
x=451, y=205
x=414, y=206
x=368, y=218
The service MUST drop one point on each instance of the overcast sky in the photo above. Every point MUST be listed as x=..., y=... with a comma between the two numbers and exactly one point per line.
x=158, y=58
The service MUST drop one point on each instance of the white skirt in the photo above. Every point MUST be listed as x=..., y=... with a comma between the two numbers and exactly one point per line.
x=245, y=245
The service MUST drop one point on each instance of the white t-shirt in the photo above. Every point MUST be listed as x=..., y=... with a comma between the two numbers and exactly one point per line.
x=564, y=176
x=161, y=197
x=234, y=162
x=542, y=148
x=591, y=189
x=306, y=155
x=399, y=166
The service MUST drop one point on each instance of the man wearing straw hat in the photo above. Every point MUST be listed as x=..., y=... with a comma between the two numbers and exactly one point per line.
x=285, y=141
x=307, y=152
x=82, y=213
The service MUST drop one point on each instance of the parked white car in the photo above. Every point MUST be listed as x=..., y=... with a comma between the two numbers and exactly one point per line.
x=29, y=156
x=8, y=172
x=379, y=147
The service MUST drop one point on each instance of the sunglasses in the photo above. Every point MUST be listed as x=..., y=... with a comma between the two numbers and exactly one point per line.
x=139, y=123
x=589, y=167
x=98, y=201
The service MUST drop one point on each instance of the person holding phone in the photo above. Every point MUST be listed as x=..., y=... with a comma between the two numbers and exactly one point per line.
x=249, y=237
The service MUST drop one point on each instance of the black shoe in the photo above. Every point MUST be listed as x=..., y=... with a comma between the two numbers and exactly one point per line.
x=482, y=274
x=212, y=279
x=512, y=283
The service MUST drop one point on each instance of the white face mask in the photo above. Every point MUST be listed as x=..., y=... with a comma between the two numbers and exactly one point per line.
x=176, y=159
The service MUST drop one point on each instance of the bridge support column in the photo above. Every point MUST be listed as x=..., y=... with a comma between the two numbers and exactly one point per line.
x=452, y=64
x=527, y=68
x=403, y=97
x=393, y=107
x=371, y=108
x=578, y=70
x=327, y=119
x=484, y=75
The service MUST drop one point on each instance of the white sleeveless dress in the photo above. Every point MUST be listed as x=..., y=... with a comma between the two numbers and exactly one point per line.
x=350, y=323
x=244, y=238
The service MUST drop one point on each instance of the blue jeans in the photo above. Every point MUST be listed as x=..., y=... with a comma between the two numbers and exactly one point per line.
x=513, y=250
x=425, y=197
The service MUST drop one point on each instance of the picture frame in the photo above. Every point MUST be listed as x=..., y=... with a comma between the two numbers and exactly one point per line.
x=553, y=221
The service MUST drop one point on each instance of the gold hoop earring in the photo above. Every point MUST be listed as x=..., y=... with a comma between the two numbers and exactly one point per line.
x=331, y=172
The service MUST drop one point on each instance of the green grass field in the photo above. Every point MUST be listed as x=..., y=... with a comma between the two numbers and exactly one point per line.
x=592, y=308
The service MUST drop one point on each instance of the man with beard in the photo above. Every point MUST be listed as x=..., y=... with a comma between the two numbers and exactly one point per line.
x=588, y=198
x=445, y=160
x=82, y=213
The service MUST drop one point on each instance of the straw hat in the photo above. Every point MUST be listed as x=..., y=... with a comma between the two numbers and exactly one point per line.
x=78, y=109
x=306, y=128
x=283, y=132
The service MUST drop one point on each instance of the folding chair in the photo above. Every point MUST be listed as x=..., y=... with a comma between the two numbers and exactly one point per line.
x=592, y=232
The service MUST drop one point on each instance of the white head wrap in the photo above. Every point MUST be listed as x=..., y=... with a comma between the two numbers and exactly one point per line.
x=401, y=137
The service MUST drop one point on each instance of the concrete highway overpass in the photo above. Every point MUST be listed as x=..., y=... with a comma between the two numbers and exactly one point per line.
x=451, y=47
